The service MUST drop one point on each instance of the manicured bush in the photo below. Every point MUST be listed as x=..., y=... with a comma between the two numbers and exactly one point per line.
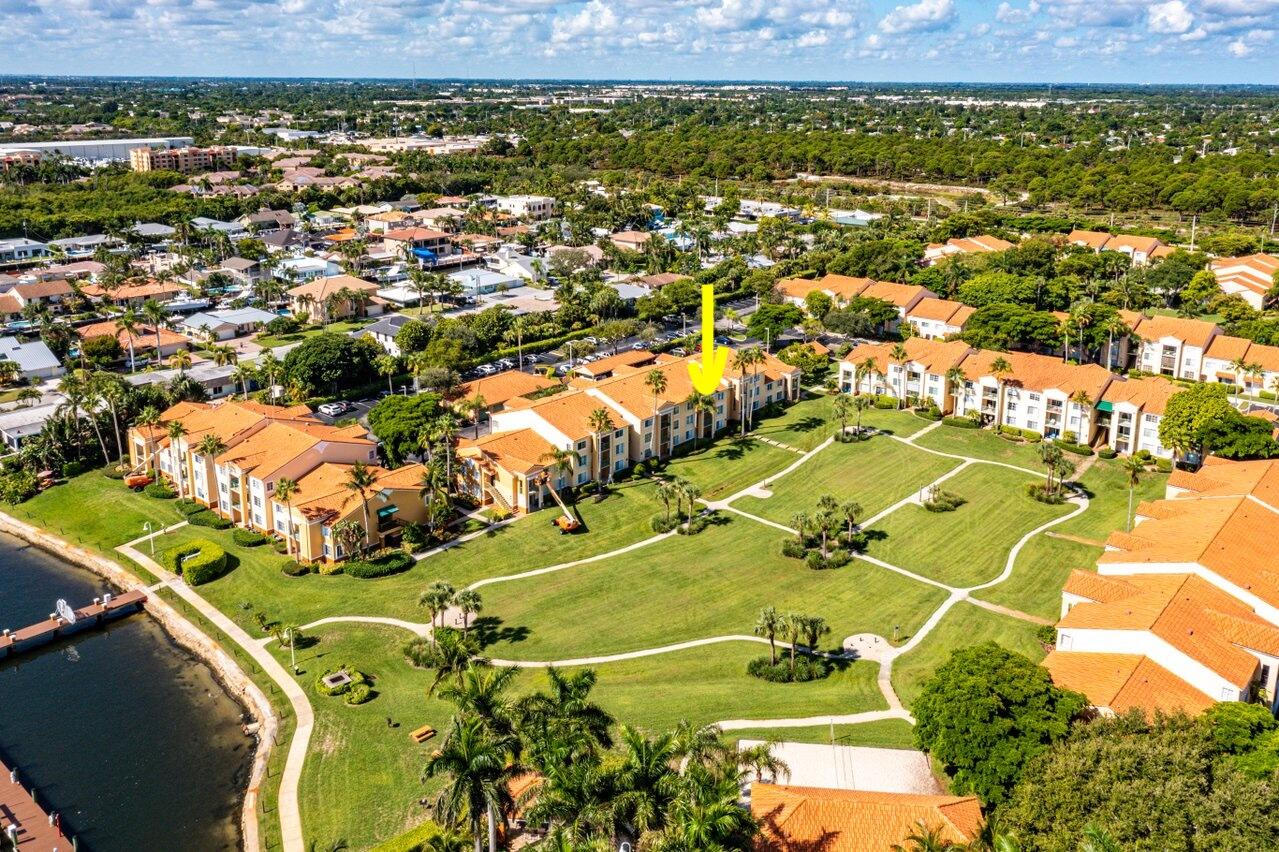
x=792, y=548
x=199, y=560
x=113, y=471
x=1144, y=455
x=207, y=518
x=640, y=469
x=693, y=527
x=663, y=524
x=359, y=693
x=279, y=545
x=929, y=413
x=358, y=678
x=943, y=501
x=886, y=402
x=72, y=469
x=188, y=507
x=1039, y=491
x=1163, y=465
x=293, y=568
x=806, y=669
x=1106, y=453
x=960, y=422
x=248, y=538
x=380, y=565
x=160, y=490
x=1077, y=449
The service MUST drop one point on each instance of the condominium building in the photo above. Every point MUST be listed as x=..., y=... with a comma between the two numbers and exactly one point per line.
x=842, y=288
x=1238, y=361
x=185, y=160
x=1250, y=278
x=1172, y=346
x=981, y=244
x=924, y=374
x=1130, y=411
x=938, y=318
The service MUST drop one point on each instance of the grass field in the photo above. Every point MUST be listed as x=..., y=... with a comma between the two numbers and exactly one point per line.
x=875, y=473
x=1107, y=487
x=965, y=624
x=1040, y=571
x=886, y=733
x=621, y=519
x=710, y=684
x=971, y=544
x=810, y=421
x=711, y=584
x=981, y=444
x=729, y=465
x=270, y=341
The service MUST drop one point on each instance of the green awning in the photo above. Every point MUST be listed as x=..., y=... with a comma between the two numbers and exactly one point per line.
x=387, y=511
x=1104, y=405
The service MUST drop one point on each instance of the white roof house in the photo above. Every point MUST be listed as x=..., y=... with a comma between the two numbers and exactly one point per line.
x=477, y=281
x=34, y=359
x=225, y=324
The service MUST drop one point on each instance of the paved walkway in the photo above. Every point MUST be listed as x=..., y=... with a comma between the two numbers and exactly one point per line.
x=290, y=815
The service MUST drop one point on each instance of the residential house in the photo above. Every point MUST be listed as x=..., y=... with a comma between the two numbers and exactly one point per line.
x=843, y=288
x=526, y=206
x=1129, y=413
x=982, y=244
x=1250, y=278
x=242, y=270
x=1173, y=346
x=49, y=293
x=20, y=250
x=630, y=240
x=387, y=220
x=33, y=358
x=10, y=307
x=576, y=256
x=819, y=819
x=509, y=262
x=225, y=324
x=1238, y=361
x=134, y=294
x=322, y=302
x=424, y=243
x=439, y=218
x=938, y=318
x=232, y=230
x=1140, y=250
x=139, y=347
x=266, y=221
x=322, y=501
x=218, y=380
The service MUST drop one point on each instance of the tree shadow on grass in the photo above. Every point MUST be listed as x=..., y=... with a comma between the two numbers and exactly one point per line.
x=489, y=630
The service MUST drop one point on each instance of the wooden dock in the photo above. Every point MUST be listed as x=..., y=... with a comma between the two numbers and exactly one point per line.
x=23, y=823
x=14, y=642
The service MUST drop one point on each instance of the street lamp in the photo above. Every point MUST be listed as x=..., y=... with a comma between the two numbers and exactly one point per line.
x=147, y=528
x=293, y=654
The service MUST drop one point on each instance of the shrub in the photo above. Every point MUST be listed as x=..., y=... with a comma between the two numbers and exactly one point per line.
x=293, y=568
x=838, y=558
x=113, y=471
x=279, y=545
x=960, y=422
x=1144, y=455
x=72, y=469
x=640, y=469
x=931, y=412
x=358, y=678
x=1106, y=453
x=792, y=548
x=359, y=693
x=188, y=507
x=693, y=527
x=663, y=524
x=886, y=402
x=1163, y=465
x=806, y=668
x=248, y=538
x=160, y=490
x=1077, y=449
x=199, y=560
x=207, y=518
x=283, y=325
x=18, y=486
x=1040, y=492
x=381, y=565
x=943, y=501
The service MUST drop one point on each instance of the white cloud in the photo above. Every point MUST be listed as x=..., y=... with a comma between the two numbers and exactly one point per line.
x=1238, y=49
x=1171, y=17
x=918, y=17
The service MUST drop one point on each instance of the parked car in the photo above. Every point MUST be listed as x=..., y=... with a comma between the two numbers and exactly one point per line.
x=506, y=363
x=334, y=409
x=679, y=351
x=486, y=369
x=530, y=360
x=593, y=340
x=639, y=344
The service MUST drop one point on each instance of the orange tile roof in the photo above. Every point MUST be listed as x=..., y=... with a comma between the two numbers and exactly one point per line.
x=900, y=295
x=322, y=494
x=935, y=356
x=941, y=310
x=1093, y=239
x=1122, y=682
x=1226, y=348
x=1041, y=372
x=1223, y=478
x=519, y=452
x=414, y=234
x=501, y=387
x=815, y=818
x=1150, y=394
x=280, y=442
x=836, y=286
x=144, y=339
x=1189, y=331
x=9, y=304
x=980, y=243
x=1145, y=245
x=322, y=288
x=570, y=412
x=1188, y=613
x=1253, y=272
x=628, y=358
x=149, y=290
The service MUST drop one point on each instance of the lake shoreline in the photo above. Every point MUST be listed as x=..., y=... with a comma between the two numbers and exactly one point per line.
x=189, y=638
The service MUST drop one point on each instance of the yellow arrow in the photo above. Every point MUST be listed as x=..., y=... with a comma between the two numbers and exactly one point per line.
x=707, y=374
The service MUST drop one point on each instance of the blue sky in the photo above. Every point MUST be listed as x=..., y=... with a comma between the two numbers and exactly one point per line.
x=1132, y=41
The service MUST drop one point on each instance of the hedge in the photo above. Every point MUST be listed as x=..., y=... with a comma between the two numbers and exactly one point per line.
x=1163, y=465
x=293, y=568
x=248, y=538
x=1106, y=453
x=392, y=562
x=1077, y=449
x=207, y=518
x=160, y=491
x=188, y=507
x=960, y=422
x=199, y=560
x=806, y=668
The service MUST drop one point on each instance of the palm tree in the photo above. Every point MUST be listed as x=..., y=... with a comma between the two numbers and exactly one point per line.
x=861, y=403
x=155, y=314
x=564, y=719
x=562, y=463
x=655, y=381
x=1133, y=468
x=767, y=624
x=601, y=424
x=482, y=691
x=360, y=480
x=690, y=492
x=180, y=360
x=841, y=406
x=1000, y=369
x=850, y=510
x=127, y=322
x=437, y=598
x=285, y=488
x=898, y=356
x=242, y=375
x=176, y=431
x=149, y=418
x=666, y=491
x=799, y=521
x=792, y=626
x=476, y=406
x=861, y=372
x=470, y=603
x=479, y=771
x=955, y=380
x=387, y=365
x=223, y=355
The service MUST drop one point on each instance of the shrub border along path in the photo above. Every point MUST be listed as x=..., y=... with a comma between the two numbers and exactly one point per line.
x=865, y=646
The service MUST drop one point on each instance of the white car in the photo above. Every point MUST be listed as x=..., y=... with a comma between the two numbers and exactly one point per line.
x=486, y=369
x=333, y=409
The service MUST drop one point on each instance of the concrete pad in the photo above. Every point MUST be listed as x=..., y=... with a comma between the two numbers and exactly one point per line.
x=883, y=770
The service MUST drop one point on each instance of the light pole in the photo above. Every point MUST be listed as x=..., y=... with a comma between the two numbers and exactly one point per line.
x=146, y=527
x=293, y=654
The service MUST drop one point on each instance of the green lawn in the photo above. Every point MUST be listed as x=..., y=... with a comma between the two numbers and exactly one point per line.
x=712, y=584
x=1107, y=487
x=886, y=733
x=981, y=444
x=362, y=779
x=705, y=685
x=964, y=625
x=270, y=341
x=528, y=543
x=875, y=473
x=1037, y=578
x=971, y=544
x=810, y=421
x=729, y=465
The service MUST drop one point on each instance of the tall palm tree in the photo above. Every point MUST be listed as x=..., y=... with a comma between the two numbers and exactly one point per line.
x=1133, y=469
x=601, y=424
x=476, y=406
x=689, y=492
x=479, y=770
x=850, y=509
x=470, y=603
x=360, y=480
x=799, y=521
x=155, y=314
x=437, y=598
x=285, y=488
x=841, y=406
x=560, y=463
x=483, y=691
x=767, y=624
x=1000, y=369
x=898, y=356
x=180, y=360
x=128, y=323
x=176, y=431
x=149, y=418
x=387, y=365
x=666, y=492
x=955, y=381
x=655, y=381
x=242, y=375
